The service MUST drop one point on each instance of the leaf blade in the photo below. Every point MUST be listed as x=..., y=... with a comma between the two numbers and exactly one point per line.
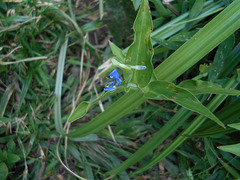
x=140, y=51
x=181, y=96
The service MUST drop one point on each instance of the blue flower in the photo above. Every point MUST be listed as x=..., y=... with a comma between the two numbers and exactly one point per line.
x=110, y=87
x=117, y=81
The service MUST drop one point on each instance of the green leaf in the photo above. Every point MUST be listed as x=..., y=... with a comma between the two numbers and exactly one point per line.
x=167, y=43
x=231, y=62
x=83, y=107
x=204, y=87
x=194, y=125
x=222, y=52
x=110, y=115
x=141, y=51
x=168, y=91
x=25, y=88
x=195, y=11
x=80, y=111
x=12, y=158
x=91, y=137
x=58, y=87
x=210, y=151
x=117, y=52
x=215, y=32
x=235, y=149
x=136, y=4
x=3, y=171
x=176, y=121
x=197, y=8
x=235, y=126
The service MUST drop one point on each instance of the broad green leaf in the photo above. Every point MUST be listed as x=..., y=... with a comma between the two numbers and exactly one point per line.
x=80, y=111
x=204, y=87
x=235, y=126
x=141, y=51
x=3, y=171
x=84, y=106
x=235, y=149
x=168, y=91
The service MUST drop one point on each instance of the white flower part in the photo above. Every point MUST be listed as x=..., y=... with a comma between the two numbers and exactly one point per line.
x=138, y=67
x=118, y=64
x=167, y=1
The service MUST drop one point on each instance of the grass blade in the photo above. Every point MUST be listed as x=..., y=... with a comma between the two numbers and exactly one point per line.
x=58, y=88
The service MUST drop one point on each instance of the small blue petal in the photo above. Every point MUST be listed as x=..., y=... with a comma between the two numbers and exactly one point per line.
x=110, y=87
x=114, y=74
x=117, y=81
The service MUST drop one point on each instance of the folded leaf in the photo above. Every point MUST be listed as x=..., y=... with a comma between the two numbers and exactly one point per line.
x=205, y=87
x=141, y=51
x=168, y=91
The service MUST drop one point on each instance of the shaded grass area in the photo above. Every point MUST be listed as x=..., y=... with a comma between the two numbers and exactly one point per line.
x=32, y=80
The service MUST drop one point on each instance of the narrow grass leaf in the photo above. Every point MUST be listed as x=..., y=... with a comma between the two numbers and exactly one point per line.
x=174, y=123
x=5, y=98
x=223, y=51
x=58, y=88
x=230, y=169
x=91, y=137
x=232, y=61
x=25, y=88
x=235, y=126
x=205, y=87
x=195, y=11
x=208, y=145
x=235, y=149
x=164, y=90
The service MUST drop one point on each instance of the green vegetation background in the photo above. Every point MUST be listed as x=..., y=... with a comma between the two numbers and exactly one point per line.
x=51, y=49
